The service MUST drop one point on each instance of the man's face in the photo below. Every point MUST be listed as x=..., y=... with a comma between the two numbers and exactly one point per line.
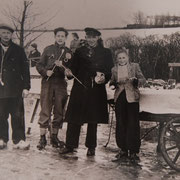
x=92, y=40
x=5, y=35
x=60, y=37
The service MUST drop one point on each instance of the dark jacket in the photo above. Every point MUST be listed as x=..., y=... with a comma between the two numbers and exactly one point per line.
x=34, y=57
x=15, y=71
x=74, y=45
x=89, y=105
x=49, y=56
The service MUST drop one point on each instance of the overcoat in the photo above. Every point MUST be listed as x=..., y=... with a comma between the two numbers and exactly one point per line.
x=14, y=67
x=89, y=104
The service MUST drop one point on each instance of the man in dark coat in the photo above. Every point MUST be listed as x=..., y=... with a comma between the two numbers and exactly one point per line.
x=53, y=87
x=92, y=65
x=34, y=55
x=14, y=85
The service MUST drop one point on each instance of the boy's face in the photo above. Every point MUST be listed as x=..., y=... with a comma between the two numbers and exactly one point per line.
x=122, y=59
x=60, y=37
x=5, y=35
x=92, y=40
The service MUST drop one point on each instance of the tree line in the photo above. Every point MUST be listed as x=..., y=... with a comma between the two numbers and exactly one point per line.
x=141, y=20
x=152, y=52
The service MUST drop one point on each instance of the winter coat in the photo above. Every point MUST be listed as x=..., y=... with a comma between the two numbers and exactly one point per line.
x=34, y=57
x=74, y=45
x=132, y=92
x=89, y=105
x=49, y=56
x=15, y=71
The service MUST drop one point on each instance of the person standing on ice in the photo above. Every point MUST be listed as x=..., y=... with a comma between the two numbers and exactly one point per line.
x=126, y=77
x=53, y=87
x=14, y=86
x=92, y=65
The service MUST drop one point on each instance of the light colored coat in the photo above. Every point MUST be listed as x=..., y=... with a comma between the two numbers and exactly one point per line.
x=132, y=93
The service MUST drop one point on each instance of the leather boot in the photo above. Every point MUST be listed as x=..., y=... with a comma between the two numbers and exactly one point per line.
x=90, y=152
x=55, y=142
x=42, y=142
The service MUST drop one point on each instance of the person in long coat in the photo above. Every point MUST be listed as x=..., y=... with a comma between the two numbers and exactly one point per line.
x=14, y=85
x=92, y=65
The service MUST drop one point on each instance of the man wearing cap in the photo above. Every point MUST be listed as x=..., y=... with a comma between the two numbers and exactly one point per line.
x=92, y=65
x=53, y=87
x=34, y=55
x=14, y=85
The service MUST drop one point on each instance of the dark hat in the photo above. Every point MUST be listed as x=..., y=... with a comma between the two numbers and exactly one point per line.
x=34, y=45
x=61, y=29
x=7, y=27
x=75, y=35
x=92, y=31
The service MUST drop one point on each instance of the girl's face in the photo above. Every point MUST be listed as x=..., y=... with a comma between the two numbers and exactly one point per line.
x=122, y=59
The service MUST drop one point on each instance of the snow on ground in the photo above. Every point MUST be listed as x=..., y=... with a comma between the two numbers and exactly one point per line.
x=49, y=165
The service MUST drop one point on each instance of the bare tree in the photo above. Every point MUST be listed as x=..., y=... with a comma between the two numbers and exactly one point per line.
x=168, y=19
x=140, y=18
x=162, y=20
x=25, y=21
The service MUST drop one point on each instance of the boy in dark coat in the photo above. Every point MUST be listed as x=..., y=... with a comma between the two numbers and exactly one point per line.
x=92, y=65
x=14, y=85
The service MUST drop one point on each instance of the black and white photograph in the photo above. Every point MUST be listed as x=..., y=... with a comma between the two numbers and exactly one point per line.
x=89, y=89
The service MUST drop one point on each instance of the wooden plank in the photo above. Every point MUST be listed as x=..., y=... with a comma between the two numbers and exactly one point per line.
x=146, y=116
x=174, y=64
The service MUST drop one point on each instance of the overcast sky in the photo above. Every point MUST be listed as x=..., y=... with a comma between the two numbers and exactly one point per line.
x=97, y=13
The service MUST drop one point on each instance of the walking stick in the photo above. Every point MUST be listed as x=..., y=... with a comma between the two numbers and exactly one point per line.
x=74, y=76
x=111, y=106
x=66, y=69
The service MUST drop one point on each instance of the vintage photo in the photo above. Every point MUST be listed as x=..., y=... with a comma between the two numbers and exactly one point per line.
x=89, y=89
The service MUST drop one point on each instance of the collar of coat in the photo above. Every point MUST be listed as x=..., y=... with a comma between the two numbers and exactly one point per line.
x=59, y=46
x=130, y=68
x=5, y=47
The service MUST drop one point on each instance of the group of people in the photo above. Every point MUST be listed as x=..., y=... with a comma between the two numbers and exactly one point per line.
x=92, y=67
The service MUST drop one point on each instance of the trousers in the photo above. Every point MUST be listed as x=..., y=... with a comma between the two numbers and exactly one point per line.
x=15, y=108
x=53, y=99
x=73, y=133
x=127, y=124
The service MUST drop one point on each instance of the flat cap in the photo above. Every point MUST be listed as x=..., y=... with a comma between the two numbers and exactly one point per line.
x=34, y=45
x=7, y=27
x=60, y=29
x=92, y=31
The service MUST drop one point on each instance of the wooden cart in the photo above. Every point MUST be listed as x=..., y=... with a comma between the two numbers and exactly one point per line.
x=163, y=107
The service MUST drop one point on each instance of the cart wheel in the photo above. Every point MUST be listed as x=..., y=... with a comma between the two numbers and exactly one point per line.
x=170, y=143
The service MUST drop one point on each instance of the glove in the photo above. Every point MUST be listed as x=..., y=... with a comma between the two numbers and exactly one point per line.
x=135, y=82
